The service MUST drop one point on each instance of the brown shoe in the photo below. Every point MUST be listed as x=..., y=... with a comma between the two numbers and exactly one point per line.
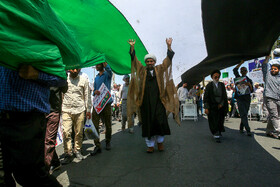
x=160, y=147
x=150, y=150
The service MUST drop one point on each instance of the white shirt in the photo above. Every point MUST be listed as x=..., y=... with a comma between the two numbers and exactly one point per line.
x=115, y=96
x=229, y=93
x=216, y=83
x=182, y=93
x=124, y=91
x=77, y=98
x=192, y=92
x=259, y=93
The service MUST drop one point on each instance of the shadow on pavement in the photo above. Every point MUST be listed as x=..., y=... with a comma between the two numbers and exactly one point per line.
x=191, y=158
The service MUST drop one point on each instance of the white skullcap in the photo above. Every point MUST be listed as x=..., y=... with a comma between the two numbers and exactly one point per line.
x=276, y=51
x=152, y=56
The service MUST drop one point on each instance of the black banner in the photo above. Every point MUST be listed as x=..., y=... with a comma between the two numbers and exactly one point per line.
x=235, y=30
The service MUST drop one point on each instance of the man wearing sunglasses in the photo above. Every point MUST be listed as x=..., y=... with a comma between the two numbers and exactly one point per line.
x=243, y=101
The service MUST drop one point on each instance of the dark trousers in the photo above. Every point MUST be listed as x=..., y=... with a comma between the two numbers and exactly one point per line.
x=243, y=103
x=199, y=106
x=216, y=118
x=22, y=136
x=51, y=157
x=116, y=111
x=106, y=115
x=1, y=167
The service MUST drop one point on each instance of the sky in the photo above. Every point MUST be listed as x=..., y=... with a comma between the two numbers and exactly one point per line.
x=179, y=19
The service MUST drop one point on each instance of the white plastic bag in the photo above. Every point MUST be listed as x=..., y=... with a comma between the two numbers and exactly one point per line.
x=90, y=130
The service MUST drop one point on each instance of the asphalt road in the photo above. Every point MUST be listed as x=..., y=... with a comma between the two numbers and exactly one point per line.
x=191, y=158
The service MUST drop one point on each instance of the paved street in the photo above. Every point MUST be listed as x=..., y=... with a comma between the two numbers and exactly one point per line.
x=191, y=158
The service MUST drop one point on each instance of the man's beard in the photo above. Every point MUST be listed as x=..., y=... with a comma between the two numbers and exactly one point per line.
x=215, y=81
x=274, y=74
x=99, y=69
x=74, y=75
x=150, y=67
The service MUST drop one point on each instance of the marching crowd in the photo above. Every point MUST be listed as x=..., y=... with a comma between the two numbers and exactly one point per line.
x=36, y=48
x=28, y=135
x=32, y=102
x=224, y=101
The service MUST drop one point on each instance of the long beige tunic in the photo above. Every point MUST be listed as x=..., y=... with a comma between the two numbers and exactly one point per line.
x=168, y=92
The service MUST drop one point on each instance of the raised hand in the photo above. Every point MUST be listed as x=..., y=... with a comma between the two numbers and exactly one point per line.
x=96, y=92
x=131, y=42
x=169, y=43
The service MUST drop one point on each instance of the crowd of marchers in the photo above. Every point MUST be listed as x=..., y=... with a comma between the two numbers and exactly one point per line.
x=33, y=104
x=221, y=101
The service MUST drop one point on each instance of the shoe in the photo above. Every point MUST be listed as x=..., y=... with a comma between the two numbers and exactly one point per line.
x=67, y=159
x=79, y=156
x=108, y=146
x=150, y=150
x=55, y=167
x=275, y=135
x=96, y=151
x=131, y=131
x=217, y=138
x=249, y=133
x=241, y=131
x=160, y=147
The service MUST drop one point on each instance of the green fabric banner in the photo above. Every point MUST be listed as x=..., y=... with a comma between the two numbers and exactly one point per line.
x=65, y=35
x=225, y=75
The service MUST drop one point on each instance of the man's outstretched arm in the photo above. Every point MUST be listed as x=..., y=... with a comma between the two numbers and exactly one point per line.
x=132, y=50
x=134, y=59
x=235, y=70
x=170, y=53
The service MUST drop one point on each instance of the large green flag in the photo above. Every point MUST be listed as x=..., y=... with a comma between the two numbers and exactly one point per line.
x=101, y=30
x=69, y=34
x=31, y=33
